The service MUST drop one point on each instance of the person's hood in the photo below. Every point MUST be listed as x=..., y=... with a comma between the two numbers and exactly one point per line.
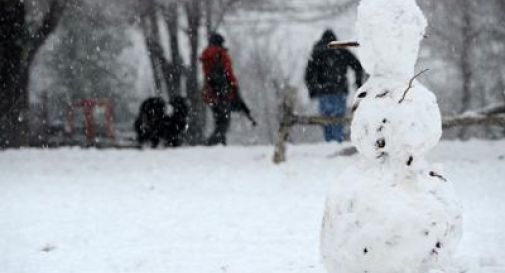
x=216, y=39
x=328, y=36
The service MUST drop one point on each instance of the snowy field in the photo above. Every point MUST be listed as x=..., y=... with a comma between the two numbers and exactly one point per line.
x=206, y=210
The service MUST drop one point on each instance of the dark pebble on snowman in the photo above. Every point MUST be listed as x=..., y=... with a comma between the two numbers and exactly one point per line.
x=411, y=159
x=382, y=155
x=355, y=107
x=382, y=95
x=380, y=143
x=434, y=174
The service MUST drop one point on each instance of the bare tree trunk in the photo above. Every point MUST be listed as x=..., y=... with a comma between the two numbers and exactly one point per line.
x=169, y=73
x=465, y=62
x=13, y=100
x=208, y=17
x=197, y=110
x=17, y=50
x=175, y=71
x=151, y=36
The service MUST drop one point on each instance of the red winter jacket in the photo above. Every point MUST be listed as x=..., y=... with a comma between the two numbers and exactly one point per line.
x=209, y=58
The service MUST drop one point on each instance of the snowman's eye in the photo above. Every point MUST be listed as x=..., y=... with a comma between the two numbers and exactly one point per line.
x=362, y=95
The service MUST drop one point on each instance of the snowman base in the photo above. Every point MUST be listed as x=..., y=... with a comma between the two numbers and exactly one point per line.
x=381, y=220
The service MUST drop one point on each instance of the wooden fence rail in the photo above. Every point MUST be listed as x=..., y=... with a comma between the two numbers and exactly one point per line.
x=289, y=119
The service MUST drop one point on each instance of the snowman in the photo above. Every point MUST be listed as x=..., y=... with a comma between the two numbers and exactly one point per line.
x=393, y=211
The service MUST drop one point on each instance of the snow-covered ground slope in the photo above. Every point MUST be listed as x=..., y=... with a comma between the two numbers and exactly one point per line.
x=196, y=210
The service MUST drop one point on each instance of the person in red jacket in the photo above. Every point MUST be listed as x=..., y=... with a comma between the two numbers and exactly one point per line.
x=221, y=86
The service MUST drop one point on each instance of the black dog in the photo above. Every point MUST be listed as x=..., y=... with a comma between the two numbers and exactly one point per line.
x=154, y=125
x=177, y=123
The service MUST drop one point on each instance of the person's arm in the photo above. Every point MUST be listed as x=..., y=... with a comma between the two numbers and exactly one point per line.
x=311, y=76
x=311, y=73
x=354, y=63
x=228, y=67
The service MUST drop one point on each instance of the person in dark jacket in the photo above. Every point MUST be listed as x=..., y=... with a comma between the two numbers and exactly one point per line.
x=326, y=80
x=221, y=86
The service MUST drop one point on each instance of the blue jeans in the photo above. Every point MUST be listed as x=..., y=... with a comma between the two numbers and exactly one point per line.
x=333, y=106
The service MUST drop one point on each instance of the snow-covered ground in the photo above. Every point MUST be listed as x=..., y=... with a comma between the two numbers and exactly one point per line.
x=199, y=210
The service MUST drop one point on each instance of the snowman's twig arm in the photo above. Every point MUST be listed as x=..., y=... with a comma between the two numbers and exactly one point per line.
x=342, y=44
x=411, y=82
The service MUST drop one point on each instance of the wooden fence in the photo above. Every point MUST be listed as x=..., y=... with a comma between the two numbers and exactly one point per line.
x=493, y=115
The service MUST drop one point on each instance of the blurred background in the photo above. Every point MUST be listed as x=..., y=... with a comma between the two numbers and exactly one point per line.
x=57, y=53
x=77, y=72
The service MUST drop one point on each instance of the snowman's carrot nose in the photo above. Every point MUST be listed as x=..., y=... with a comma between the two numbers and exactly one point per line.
x=342, y=44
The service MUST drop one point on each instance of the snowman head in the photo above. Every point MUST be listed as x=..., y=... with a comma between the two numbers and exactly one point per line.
x=390, y=32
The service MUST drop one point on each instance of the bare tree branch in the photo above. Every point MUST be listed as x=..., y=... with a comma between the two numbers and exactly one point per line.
x=325, y=12
x=224, y=10
x=49, y=23
x=410, y=84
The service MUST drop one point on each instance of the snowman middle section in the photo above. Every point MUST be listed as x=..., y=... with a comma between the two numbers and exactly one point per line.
x=395, y=121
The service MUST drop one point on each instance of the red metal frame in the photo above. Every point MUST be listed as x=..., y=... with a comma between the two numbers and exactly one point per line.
x=88, y=106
